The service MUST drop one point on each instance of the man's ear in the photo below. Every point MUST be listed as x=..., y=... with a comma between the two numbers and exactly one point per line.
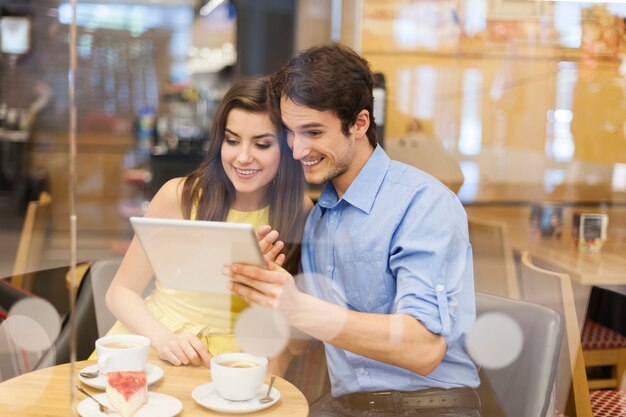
x=361, y=124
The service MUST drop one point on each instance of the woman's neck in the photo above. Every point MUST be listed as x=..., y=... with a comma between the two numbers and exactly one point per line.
x=246, y=202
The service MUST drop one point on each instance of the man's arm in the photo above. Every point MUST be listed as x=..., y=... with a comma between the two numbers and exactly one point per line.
x=396, y=339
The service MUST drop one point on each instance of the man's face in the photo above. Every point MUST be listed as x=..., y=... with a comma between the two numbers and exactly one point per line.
x=317, y=141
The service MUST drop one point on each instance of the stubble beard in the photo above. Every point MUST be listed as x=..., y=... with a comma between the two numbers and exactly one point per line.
x=339, y=168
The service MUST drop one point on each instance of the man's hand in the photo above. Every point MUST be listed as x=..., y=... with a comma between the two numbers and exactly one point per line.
x=270, y=247
x=182, y=349
x=273, y=287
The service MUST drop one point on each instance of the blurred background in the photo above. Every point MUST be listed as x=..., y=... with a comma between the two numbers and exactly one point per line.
x=515, y=105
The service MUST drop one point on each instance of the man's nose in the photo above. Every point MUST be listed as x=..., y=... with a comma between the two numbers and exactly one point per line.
x=300, y=148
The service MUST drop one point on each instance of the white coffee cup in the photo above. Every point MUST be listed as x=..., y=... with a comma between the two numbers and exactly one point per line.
x=122, y=352
x=238, y=376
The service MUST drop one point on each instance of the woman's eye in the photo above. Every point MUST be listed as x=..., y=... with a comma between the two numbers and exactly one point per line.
x=263, y=145
x=230, y=141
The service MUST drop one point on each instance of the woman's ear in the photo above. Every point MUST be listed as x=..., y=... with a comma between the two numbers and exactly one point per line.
x=361, y=124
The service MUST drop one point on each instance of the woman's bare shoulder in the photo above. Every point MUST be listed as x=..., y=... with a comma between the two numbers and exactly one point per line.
x=166, y=202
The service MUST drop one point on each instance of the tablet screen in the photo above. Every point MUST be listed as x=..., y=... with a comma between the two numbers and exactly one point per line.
x=190, y=254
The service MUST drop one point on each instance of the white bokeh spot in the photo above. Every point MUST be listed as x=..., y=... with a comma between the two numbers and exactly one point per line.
x=495, y=341
x=262, y=331
x=33, y=324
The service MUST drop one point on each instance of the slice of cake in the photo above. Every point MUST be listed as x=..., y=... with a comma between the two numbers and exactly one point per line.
x=127, y=391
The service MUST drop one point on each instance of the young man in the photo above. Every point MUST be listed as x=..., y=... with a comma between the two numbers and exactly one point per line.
x=387, y=282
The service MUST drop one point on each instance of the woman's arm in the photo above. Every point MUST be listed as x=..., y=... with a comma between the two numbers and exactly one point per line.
x=124, y=297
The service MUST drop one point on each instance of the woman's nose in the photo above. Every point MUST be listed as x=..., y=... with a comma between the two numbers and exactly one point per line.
x=245, y=156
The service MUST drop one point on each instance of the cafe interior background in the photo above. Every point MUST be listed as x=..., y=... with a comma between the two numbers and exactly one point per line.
x=518, y=106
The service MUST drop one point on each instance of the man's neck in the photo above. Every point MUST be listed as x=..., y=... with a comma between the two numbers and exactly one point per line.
x=343, y=181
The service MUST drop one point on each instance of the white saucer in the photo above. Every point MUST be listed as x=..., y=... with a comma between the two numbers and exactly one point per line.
x=207, y=396
x=153, y=374
x=158, y=405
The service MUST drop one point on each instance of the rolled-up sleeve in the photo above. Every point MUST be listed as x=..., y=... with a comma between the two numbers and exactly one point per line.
x=429, y=257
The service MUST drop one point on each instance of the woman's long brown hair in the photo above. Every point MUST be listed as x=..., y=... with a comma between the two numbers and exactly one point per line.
x=209, y=190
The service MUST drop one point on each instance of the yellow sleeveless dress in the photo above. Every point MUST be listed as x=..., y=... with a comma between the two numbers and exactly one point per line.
x=211, y=317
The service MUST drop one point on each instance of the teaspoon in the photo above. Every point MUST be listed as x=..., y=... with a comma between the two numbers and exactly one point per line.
x=267, y=397
x=86, y=374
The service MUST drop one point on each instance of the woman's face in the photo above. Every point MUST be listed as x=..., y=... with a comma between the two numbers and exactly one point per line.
x=250, y=156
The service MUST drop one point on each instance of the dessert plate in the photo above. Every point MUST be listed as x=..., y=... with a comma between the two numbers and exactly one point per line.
x=158, y=405
x=153, y=374
x=207, y=396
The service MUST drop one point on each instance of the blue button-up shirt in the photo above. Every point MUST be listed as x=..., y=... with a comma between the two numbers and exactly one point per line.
x=396, y=243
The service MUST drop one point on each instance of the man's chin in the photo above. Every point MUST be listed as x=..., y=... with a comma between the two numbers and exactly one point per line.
x=315, y=179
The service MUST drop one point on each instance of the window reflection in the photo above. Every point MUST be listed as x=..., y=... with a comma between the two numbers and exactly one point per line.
x=528, y=97
x=471, y=130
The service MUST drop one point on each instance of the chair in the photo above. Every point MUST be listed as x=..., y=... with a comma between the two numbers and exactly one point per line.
x=604, y=347
x=100, y=275
x=86, y=333
x=524, y=387
x=554, y=290
x=32, y=239
x=494, y=268
x=14, y=360
x=604, y=343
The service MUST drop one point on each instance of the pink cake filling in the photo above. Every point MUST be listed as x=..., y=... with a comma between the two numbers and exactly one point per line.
x=127, y=391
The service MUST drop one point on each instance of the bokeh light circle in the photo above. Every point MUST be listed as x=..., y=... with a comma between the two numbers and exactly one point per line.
x=495, y=341
x=262, y=331
x=33, y=324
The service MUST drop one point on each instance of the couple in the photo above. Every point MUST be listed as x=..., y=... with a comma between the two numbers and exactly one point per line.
x=386, y=278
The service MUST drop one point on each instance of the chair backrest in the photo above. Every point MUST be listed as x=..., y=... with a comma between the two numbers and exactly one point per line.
x=554, y=290
x=32, y=239
x=86, y=334
x=14, y=358
x=101, y=274
x=494, y=268
x=14, y=361
x=524, y=387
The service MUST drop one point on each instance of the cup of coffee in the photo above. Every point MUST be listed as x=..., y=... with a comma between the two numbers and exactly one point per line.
x=238, y=376
x=122, y=352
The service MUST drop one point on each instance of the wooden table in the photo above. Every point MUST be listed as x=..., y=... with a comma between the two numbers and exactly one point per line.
x=46, y=392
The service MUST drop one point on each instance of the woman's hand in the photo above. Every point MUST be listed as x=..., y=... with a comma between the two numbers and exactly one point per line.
x=182, y=349
x=270, y=247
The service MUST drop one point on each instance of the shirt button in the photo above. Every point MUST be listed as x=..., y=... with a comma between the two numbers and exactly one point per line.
x=439, y=288
x=329, y=268
x=361, y=371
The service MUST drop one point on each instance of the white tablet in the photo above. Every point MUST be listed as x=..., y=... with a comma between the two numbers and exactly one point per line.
x=190, y=254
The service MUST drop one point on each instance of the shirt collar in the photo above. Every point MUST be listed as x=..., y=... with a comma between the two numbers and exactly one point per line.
x=362, y=192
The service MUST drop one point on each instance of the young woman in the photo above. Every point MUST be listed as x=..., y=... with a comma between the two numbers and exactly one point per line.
x=248, y=176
